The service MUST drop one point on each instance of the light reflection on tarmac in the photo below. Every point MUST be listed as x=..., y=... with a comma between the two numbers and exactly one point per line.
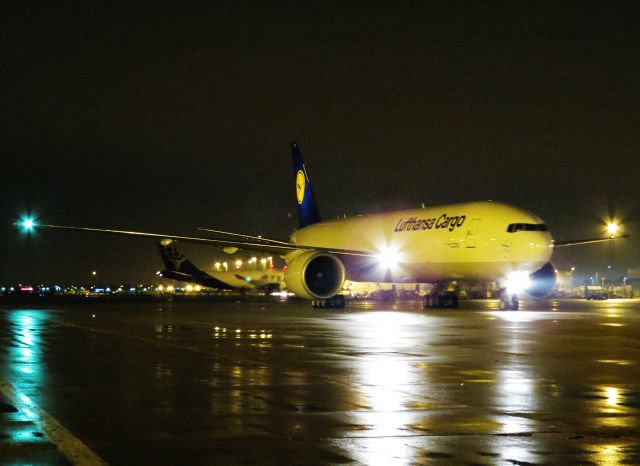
x=557, y=382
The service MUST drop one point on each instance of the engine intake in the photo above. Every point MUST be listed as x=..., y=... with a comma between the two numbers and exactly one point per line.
x=315, y=275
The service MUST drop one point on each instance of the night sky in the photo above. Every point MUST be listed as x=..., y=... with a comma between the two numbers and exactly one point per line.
x=165, y=117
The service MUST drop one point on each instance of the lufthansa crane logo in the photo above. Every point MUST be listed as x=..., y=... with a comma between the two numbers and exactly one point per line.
x=300, y=184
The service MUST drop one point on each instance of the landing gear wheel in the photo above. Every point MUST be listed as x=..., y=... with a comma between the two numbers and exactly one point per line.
x=509, y=303
x=515, y=304
x=447, y=300
x=451, y=301
x=336, y=302
x=339, y=301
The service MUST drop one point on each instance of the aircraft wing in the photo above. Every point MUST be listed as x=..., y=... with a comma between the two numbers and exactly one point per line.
x=578, y=242
x=279, y=248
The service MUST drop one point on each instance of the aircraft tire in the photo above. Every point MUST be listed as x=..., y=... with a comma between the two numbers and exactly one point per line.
x=336, y=302
x=509, y=304
x=452, y=301
x=431, y=301
x=441, y=301
x=504, y=304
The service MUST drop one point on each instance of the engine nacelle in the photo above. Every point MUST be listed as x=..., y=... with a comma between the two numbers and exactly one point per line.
x=543, y=282
x=314, y=275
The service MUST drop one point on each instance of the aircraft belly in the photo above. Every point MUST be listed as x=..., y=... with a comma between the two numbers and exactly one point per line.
x=436, y=271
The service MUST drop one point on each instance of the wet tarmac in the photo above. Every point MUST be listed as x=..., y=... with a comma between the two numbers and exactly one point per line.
x=557, y=382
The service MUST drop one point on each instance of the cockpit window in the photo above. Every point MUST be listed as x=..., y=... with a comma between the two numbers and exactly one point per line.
x=516, y=227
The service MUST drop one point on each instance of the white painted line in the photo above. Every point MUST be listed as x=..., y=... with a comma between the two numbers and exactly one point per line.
x=68, y=444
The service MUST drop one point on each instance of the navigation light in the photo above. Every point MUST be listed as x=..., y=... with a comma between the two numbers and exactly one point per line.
x=27, y=224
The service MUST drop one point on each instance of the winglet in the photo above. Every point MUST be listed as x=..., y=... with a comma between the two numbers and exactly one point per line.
x=308, y=213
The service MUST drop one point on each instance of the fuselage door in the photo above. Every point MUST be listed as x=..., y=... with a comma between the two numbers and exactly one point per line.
x=472, y=233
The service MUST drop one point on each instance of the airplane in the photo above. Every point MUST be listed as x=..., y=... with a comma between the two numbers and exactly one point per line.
x=480, y=241
x=178, y=267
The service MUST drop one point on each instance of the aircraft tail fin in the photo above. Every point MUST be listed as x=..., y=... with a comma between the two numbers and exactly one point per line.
x=174, y=260
x=308, y=213
x=182, y=269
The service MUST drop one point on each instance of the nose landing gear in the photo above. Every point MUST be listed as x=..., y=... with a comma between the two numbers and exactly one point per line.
x=509, y=302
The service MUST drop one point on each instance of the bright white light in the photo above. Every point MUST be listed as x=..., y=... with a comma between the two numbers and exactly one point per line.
x=517, y=282
x=612, y=396
x=27, y=224
x=612, y=229
x=388, y=258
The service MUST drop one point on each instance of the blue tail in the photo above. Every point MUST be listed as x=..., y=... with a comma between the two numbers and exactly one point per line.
x=307, y=207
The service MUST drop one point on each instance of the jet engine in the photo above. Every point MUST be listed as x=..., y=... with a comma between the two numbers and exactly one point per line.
x=314, y=275
x=542, y=282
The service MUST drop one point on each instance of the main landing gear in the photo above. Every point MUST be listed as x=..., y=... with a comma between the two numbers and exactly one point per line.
x=508, y=302
x=441, y=300
x=336, y=302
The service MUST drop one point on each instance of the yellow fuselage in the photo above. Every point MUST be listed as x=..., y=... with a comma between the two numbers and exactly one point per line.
x=468, y=241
